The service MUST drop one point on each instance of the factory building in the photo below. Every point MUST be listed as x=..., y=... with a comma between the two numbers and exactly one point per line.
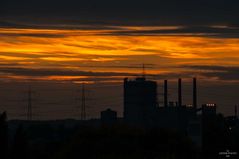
x=209, y=109
x=108, y=117
x=141, y=108
x=140, y=101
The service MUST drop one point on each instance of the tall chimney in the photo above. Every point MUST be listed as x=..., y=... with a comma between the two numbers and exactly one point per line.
x=236, y=111
x=179, y=92
x=195, y=93
x=165, y=93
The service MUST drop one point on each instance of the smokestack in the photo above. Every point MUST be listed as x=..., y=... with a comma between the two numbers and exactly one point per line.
x=236, y=111
x=165, y=93
x=195, y=93
x=179, y=92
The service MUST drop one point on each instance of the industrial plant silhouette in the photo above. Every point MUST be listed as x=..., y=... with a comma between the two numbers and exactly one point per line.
x=146, y=130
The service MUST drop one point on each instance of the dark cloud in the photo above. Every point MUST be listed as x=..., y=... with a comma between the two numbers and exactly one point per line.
x=211, y=67
x=197, y=18
x=28, y=22
x=124, y=12
x=148, y=66
x=90, y=76
x=99, y=47
x=6, y=64
x=208, y=31
x=56, y=72
x=220, y=72
x=34, y=56
x=93, y=76
x=41, y=35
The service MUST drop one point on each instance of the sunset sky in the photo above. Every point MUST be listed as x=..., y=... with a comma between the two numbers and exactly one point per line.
x=101, y=42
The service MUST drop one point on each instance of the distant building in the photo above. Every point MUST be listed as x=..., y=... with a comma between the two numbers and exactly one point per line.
x=209, y=109
x=140, y=101
x=108, y=117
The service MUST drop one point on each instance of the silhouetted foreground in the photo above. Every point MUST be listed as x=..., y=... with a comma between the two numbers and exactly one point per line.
x=220, y=137
x=71, y=139
x=103, y=142
x=121, y=142
x=3, y=135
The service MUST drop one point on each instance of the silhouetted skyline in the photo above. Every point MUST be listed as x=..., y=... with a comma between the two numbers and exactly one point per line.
x=125, y=79
x=58, y=45
x=64, y=100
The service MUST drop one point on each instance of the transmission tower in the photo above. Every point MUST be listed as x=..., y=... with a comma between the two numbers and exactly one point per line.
x=29, y=104
x=143, y=68
x=83, y=111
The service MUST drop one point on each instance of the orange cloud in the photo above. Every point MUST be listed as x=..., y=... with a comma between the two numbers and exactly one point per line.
x=71, y=49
